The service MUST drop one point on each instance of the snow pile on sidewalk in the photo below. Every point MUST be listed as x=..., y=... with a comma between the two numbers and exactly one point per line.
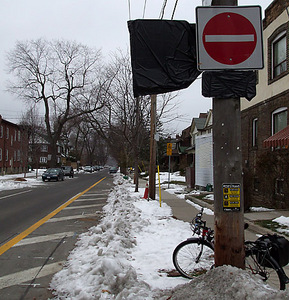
x=128, y=255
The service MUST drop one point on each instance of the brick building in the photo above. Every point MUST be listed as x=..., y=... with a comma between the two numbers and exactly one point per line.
x=39, y=155
x=13, y=147
x=266, y=165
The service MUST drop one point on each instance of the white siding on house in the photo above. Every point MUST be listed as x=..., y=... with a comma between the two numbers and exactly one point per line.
x=204, y=160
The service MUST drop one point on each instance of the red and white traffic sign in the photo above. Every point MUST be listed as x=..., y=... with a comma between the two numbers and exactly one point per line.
x=229, y=38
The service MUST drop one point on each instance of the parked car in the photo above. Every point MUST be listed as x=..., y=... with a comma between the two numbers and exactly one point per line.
x=53, y=174
x=88, y=169
x=113, y=169
x=68, y=171
x=96, y=168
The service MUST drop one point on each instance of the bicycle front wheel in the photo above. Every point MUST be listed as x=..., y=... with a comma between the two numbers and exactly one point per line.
x=193, y=257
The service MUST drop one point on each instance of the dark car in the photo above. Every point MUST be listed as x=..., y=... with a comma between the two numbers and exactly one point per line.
x=53, y=174
x=68, y=171
x=113, y=169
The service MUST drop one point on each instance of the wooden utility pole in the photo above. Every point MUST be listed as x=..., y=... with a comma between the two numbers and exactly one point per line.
x=152, y=167
x=228, y=182
x=136, y=145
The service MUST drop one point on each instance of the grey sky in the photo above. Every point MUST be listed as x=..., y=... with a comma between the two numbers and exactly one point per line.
x=97, y=23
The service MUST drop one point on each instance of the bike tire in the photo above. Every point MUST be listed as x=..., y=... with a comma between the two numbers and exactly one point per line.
x=270, y=271
x=193, y=257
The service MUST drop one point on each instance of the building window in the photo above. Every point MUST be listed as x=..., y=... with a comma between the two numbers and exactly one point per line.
x=278, y=53
x=43, y=160
x=44, y=148
x=256, y=184
x=18, y=155
x=7, y=154
x=279, y=119
x=279, y=186
x=0, y=154
x=7, y=133
x=15, y=155
x=279, y=64
x=255, y=132
x=19, y=136
x=1, y=132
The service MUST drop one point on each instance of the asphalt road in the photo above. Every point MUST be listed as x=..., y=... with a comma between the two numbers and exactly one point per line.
x=56, y=213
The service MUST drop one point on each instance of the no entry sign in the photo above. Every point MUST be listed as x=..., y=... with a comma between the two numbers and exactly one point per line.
x=229, y=38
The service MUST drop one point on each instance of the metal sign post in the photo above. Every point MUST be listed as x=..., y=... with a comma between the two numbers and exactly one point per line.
x=169, y=154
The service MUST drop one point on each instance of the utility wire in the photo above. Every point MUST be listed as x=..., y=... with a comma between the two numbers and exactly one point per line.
x=163, y=9
x=176, y=3
x=129, y=12
x=144, y=8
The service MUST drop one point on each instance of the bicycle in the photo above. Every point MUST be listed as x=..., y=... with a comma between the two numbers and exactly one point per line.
x=195, y=256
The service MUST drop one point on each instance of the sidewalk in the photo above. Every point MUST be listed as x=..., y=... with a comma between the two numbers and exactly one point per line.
x=182, y=210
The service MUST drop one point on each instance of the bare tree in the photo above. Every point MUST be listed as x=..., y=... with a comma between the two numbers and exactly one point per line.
x=124, y=121
x=66, y=77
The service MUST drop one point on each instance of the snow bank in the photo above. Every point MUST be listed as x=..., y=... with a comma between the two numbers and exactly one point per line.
x=226, y=283
x=129, y=254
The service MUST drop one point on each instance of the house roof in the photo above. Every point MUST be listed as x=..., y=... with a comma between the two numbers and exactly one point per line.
x=279, y=139
x=200, y=123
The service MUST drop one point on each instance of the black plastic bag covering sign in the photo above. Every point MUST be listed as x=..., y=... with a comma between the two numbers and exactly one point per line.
x=163, y=55
x=229, y=84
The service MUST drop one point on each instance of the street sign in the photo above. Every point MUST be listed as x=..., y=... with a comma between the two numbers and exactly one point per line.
x=231, y=197
x=229, y=38
x=169, y=149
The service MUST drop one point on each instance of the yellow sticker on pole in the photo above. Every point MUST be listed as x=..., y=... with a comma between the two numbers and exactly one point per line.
x=231, y=196
x=169, y=149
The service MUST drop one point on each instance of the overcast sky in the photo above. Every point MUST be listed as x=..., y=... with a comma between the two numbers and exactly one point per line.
x=100, y=24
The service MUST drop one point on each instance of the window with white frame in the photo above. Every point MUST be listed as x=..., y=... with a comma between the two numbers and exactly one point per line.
x=279, y=119
x=7, y=155
x=19, y=136
x=7, y=133
x=279, y=49
x=279, y=186
x=1, y=131
x=255, y=132
x=43, y=160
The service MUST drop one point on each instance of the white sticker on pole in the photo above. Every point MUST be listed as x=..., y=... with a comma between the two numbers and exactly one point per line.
x=229, y=37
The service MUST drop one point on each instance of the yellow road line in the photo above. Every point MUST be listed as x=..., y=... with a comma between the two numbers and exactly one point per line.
x=23, y=234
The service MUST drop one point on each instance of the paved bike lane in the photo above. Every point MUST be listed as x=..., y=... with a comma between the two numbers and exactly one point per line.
x=28, y=266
